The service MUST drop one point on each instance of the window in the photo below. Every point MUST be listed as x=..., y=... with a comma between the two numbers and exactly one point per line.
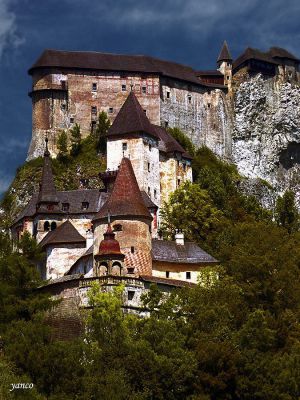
x=150, y=147
x=53, y=226
x=166, y=124
x=123, y=88
x=111, y=110
x=132, y=249
x=94, y=110
x=117, y=228
x=227, y=77
x=84, y=205
x=188, y=275
x=124, y=146
x=149, y=191
x=84, y=269
x=168, y=95
x=71, y=120
x=130, y=270
x=93, y=126
x=63, y=107
x=65, y=206
x=47, y=226
x=178, y=182
x=208, y=105
x=189, y=99
x=145, y=111
x=144, y=89
x=94, y=86
x=184, y=166
x=63, y=85
x=130, y=294
x=155, y=193
x=167, y=274
x=148, y=167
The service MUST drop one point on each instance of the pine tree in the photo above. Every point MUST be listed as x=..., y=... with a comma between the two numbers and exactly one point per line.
x=102, y=127
x=62, y=146
x=76, y=140
x=287, y=214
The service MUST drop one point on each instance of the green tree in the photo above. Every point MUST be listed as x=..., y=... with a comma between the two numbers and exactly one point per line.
x=75, y=140
x=62, y=146
x=286, y=212
x=102, y=127
x=183, y=139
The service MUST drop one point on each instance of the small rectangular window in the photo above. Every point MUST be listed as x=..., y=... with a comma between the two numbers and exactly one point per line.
x=130, y=294
x=94, y=86
x=166, y=124
x=150, y=147
x=65, y=206
x=155, y=193
x=149, y=191
x=71, y=120
x=94, y=110
x=124, y=146
x=189, y=99
x=148, y=167
x=168, y=95
x=84, y=205
x=178, y=182
x=132, y=249
x=110, y=110
x=144, y=89
x=123, y=88
x=130, y=270
x=167, y=274
x=145, y=111
x=227, y=77
x=63, y=106
x=188, y=275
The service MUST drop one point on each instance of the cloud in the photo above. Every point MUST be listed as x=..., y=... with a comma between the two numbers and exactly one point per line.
x=8, y=27
x=13, y=145
x=4, y=183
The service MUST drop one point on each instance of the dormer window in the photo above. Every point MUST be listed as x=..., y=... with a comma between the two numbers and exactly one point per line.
x=65, y=206
x=84, y=205
x=53, y=226
x=46, y=226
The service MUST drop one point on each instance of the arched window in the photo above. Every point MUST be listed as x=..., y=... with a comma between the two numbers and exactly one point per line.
x=53, y=226
x=46, y=226
x=116, y=268
x=103, y=269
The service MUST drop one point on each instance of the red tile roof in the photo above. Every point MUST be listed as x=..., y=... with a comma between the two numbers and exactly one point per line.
x=64, y=234
x=125, y=199
x=131, y=119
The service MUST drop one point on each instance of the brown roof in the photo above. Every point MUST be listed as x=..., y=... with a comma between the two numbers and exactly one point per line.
x=281, y=53
x=47, y=193
x=168, y=144
x=125, y=198
x=147, y=201
x=224, y=53
x=131, y=119
x=213, y=72
x=114, y=62
x=190, y=253
x=65, y=233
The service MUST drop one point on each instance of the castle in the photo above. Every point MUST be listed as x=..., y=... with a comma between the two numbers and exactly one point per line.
x=112, y=233
x=73, y=87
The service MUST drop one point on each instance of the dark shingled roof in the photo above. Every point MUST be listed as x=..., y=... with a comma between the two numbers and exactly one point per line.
x=166, y=281
x=114, y=62
x=168, y=144
x=224, y=53
x=74, y=198
x=65, y=233
x=131, y=119
x=147, y=201
x=125, y=198
x=190, y=253
x=47, y=193
x=213, y=72
x=281, y=53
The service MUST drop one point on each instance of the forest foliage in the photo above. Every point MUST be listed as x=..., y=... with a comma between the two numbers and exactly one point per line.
x=236, y=337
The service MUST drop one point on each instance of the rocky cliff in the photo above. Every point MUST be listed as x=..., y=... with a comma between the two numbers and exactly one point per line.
x=266, y=132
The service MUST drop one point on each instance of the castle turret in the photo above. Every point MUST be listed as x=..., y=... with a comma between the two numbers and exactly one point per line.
x=109, y=260
x=225, y=64
x=130, y=220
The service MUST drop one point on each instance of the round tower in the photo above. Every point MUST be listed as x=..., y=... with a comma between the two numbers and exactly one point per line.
x=130, y=222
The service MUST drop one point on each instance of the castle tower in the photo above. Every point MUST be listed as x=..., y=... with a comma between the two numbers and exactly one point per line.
x=133, y=136
x=47, y=206
x=225, y=64
x=109, y=260
x=130, y=220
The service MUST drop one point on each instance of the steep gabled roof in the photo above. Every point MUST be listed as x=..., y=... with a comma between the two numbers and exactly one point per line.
x=224, y=53
x=281, y=53
x=189, y=253
x=131, y=119
x=47, y=192
x=256, y=54
x=168, y=144
x=64, y=234
x=125, y=199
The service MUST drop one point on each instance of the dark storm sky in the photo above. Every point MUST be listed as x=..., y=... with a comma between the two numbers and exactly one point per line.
x=185, y=31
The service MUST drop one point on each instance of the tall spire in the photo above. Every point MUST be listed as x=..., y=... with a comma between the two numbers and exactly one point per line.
x=224, y=53
x=125, y=199
x=47, y=194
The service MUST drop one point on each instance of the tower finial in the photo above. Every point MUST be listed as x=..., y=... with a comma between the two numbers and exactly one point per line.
x=46, y=153
x=108, y=216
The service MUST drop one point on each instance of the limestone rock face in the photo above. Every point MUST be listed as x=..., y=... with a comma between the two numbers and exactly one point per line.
x=266, y=132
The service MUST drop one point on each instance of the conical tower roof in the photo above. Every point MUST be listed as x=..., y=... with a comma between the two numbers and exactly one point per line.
x=109, y=246
x=125, y=199
x=224, y=53
x=47, y=193
x=131, y=119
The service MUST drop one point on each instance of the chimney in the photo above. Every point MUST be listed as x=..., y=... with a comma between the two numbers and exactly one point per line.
x=89, y=238
x=179, y=237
